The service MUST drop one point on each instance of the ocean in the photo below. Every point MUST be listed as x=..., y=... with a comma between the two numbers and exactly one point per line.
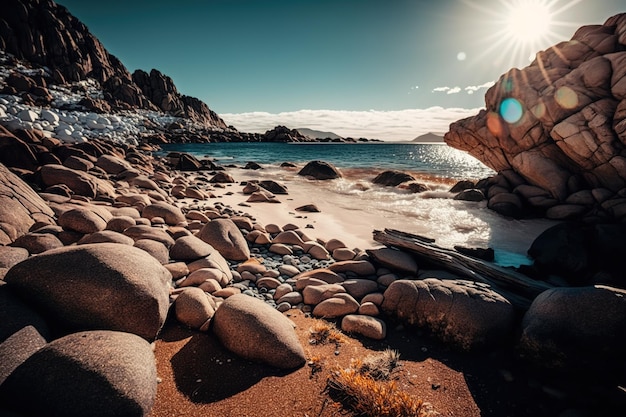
x=364, y=206
x=431, y=159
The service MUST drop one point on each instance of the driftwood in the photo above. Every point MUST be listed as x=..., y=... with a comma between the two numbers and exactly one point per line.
x=519, y=289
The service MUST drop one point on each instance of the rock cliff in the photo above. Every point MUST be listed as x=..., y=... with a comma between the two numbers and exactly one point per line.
x=556, y=130
x=47, y=34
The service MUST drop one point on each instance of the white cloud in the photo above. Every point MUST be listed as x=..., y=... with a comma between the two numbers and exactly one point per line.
x=372, y=124
x=471, y=89
x=454, y=90
x=440, y=89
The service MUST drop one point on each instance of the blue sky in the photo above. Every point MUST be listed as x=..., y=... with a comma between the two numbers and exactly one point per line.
x=259, y=59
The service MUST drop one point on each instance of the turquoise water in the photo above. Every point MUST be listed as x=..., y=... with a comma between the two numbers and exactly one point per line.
x=436, y=159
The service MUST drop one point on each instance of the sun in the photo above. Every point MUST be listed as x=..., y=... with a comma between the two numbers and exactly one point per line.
x=518, y=29
x=528, y=20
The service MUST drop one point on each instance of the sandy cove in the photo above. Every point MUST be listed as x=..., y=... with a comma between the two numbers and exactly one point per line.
x=199, y=377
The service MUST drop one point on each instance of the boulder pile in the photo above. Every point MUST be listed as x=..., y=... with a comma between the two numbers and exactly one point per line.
x=555, y=130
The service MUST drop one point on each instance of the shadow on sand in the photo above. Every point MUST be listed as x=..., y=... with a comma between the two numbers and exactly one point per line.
x=205, y=372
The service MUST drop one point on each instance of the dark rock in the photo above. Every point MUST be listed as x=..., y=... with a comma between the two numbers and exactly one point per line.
x=563, y=249
x=392, y=178
x=470, y=195
x=252, y=165
x=461, y=186
x=117, y=369
x=320, y=170
x=577, y=330
x=274, y=187
x=16, y=315
x=309, y=208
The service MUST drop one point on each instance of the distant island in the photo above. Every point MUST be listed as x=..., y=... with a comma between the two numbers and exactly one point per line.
x=428, y=137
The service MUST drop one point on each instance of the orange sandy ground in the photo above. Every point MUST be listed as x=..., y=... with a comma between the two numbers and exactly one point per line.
x=200, y=378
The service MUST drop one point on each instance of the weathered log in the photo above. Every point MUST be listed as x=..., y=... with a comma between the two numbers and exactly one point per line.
x=519, y=289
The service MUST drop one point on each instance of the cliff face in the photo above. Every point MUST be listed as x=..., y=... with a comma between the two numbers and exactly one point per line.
x=44, y=33
x=559, y=123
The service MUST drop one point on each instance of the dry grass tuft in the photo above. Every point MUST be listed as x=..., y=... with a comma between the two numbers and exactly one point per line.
x=365, y=389
x=324, y=332
x=380, y=366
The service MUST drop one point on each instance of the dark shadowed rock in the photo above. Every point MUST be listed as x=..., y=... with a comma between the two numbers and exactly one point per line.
x=15, y=315
x=320, y=170
x=469, y=315
x=131, y=288
x=392, y=178
x=577, y=329
x=254, y=330
x=117, y=369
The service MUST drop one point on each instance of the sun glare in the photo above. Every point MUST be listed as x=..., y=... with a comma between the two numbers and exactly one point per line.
x=528, y=20
x=521, y=28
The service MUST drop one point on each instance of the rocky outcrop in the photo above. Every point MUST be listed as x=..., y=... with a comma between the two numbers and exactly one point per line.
x=284, y=134
x=47, y=34
x=162, y=92
x=557, y=128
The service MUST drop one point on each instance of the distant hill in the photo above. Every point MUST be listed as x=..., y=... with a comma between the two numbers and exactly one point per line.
x=317, y=134
x=428, y=137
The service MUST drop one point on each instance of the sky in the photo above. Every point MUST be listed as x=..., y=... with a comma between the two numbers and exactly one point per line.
x=386, y=69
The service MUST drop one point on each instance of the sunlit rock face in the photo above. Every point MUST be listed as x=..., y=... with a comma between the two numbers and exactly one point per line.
x=560, y=123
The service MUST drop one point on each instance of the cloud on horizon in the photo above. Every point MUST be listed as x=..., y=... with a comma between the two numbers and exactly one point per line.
x=373, y=124
x=470, y=89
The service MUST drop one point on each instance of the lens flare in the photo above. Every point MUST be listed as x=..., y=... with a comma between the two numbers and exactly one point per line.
x=511, y=110
x=566, y=97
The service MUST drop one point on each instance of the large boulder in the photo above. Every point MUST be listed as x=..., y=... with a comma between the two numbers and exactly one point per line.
x=20, y=207
x=577, y=329
x=320, y=170
x=94, y=373
x=226, y=238
x=106, y=286
x=254, y=330
x=559, y=124
x=466, y=314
